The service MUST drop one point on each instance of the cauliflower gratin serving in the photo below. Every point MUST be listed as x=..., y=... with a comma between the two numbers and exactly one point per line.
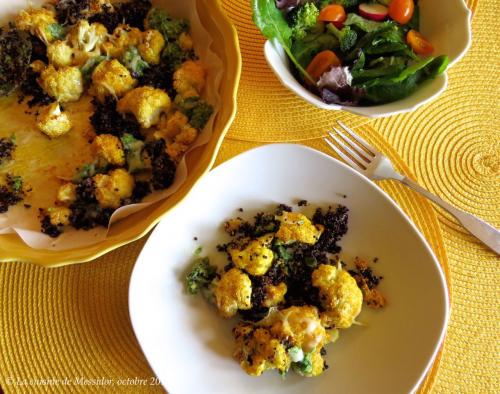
x=287, y=286
x=138, y=65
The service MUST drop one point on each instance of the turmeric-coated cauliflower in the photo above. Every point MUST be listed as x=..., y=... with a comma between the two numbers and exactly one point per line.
x=185, y=42
x=301, y=326
x=52, y=121
x=151, y=45
x=123, y=37
x=87, y=37
x=297, y=227
x=256, y=257
x=59, y=216
x=40, y=22
x=64, y=84
x=274, y=294
x=66, y=193
x=146, y=103
x=109, y=149
x=60, y=54
x=113, y=188
x=110, y=77
x=257, y=351
x=232, y=292
x=190, y=79
x=340, y=295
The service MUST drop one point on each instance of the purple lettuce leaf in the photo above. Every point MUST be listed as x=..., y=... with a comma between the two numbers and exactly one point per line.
x=335, y=87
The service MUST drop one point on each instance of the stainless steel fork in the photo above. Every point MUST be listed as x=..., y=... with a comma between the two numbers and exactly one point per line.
x=374, y=165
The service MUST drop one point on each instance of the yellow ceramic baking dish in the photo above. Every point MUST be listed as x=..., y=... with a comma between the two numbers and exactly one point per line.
x=199, y=161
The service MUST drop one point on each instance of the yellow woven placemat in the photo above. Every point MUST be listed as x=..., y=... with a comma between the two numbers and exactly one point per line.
x=70, y=325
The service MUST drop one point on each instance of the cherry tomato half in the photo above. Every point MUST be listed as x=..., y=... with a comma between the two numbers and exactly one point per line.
x=333, y=13
x=419, y=44
x=401, y=10
x=321, y=63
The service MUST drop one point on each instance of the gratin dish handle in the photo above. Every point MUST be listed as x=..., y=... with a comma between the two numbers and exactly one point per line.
x=483, y=231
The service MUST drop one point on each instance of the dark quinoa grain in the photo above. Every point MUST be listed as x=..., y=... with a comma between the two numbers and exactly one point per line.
x=159, y=76
x=134, y=12
x=7, y=198
x=109, y=17
x=107, y=120
x=30, y=88
x=49, y=229
x=163, y=166
x=7, y=147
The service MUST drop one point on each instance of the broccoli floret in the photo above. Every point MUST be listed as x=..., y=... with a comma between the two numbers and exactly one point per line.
x=133, y=150
x=57, y=31
x=171, y=28
x=174, y=55
x=15, y=58
x=196, y=109
x=201, y=275
x=134, y=62
x=305, y=18
x=347, y=37
x=303, y=367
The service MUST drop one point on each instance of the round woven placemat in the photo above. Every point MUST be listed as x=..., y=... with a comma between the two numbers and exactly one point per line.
x=68, y=330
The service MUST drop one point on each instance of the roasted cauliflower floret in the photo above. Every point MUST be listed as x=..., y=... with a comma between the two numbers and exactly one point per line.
x=52, y=121
x=189, y=79
x=64, y=84
x=296, y=227
x=146, y=103
x=171, y=125
x=113, y=188
x=185, y=42
x=109, y=149
x=40, y=22
x=38, y=66
x=151, y=45
x=123, y=36
x=256, y=257
x=66, y=193
x=110, y=77
x=341, y=296
x=59, y=216
x=87, y=37
x=60, y=54
x=232, y=292
x=301, y=326
x=275, y=294
x=257, y=351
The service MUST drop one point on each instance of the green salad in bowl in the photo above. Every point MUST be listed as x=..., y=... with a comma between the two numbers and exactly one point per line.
x=350, y=52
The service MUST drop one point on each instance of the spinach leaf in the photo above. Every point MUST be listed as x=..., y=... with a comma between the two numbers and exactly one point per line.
x=306, y=49
x=273, y=26
x=388, y=89
x=362, y=23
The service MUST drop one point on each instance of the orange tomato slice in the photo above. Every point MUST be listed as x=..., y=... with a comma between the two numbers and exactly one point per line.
x=419, y=44
x=321, y=63
x=332, y=13
x=401, y=10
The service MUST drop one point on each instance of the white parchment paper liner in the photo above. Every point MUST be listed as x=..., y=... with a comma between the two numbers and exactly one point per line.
x=26, y=223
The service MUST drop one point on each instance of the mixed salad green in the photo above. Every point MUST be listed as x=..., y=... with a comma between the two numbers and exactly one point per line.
x=351, y=52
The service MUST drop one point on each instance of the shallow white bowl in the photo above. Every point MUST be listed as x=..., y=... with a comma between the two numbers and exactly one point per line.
x=189, y=347
x=446, y=23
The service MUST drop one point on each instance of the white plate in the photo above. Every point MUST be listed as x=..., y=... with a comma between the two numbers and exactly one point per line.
x=189, y=347
x=447, y=25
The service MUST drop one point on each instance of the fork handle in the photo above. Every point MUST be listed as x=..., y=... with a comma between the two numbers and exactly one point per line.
x=483, y=231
